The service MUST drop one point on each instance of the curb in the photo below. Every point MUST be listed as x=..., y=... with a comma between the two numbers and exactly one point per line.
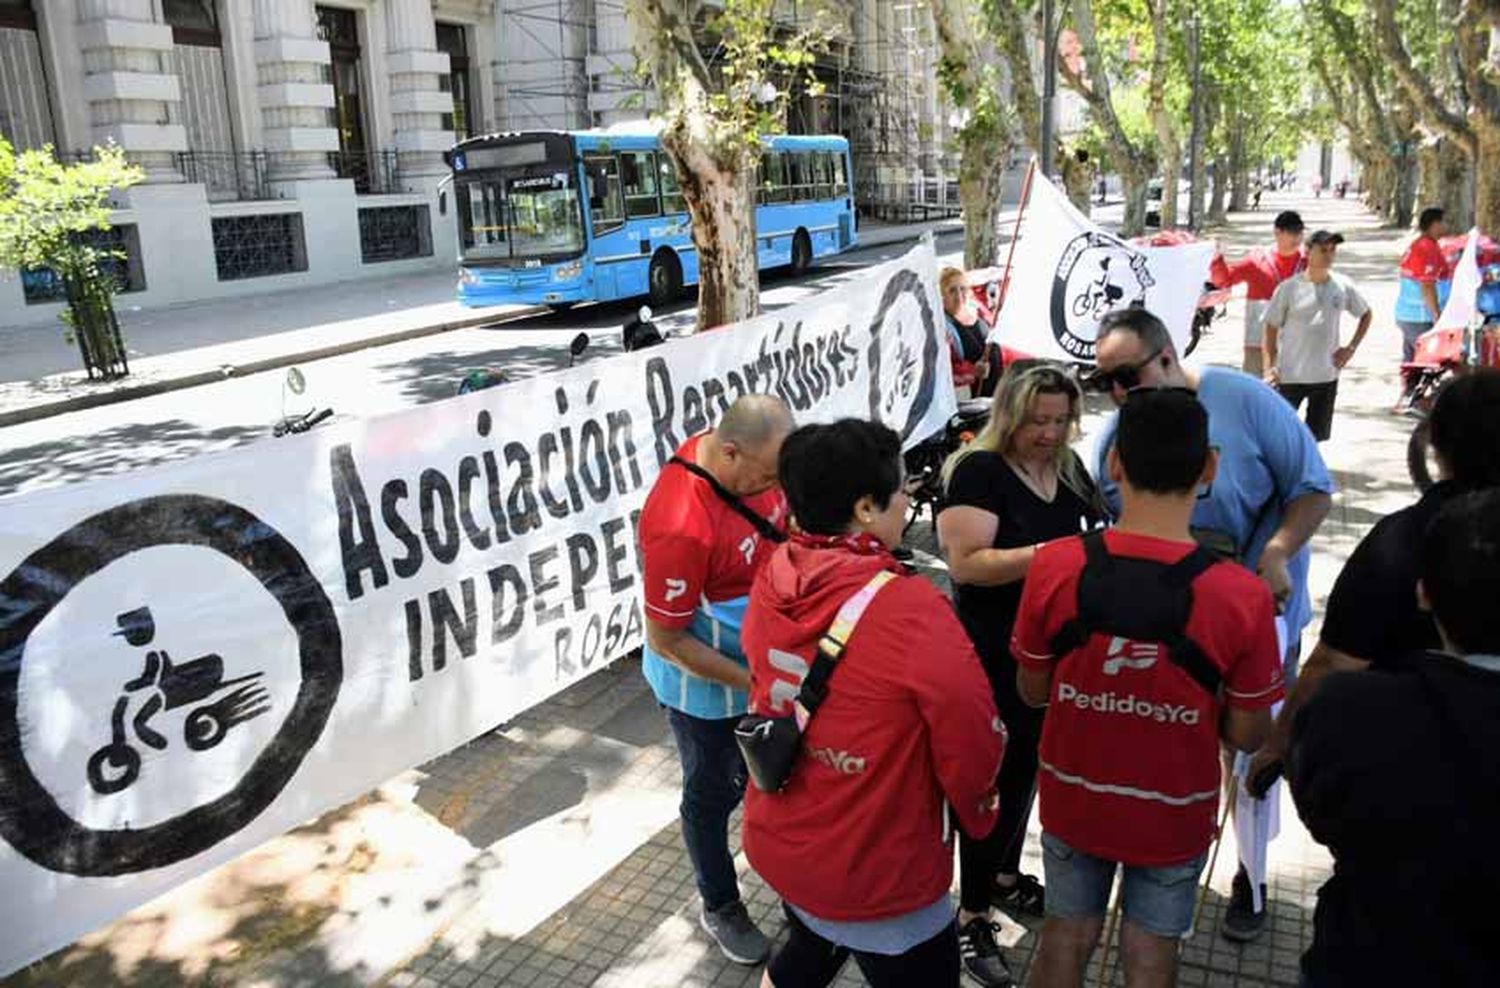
x=77, y=403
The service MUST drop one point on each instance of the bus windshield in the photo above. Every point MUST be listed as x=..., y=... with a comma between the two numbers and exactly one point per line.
x=517, y=214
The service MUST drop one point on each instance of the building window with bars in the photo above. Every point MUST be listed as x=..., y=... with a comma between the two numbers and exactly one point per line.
x=259, y=245
x=394, y=233
x=123, y=244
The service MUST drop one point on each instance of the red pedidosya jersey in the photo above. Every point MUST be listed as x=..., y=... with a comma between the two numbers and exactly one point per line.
x=908, y=725
x=1260, y=272
x=1130, y=745
x=697, y=548
x=1425, y=263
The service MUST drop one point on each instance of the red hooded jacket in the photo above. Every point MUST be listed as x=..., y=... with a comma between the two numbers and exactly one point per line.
x=909, y=723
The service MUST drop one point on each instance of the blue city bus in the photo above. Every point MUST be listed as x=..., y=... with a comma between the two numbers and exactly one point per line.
x=555, y=218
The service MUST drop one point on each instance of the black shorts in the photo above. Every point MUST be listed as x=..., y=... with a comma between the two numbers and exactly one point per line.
x=809, y=961
x=1319, y=398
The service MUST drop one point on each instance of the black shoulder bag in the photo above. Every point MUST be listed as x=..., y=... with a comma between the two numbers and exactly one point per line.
x=770, y=744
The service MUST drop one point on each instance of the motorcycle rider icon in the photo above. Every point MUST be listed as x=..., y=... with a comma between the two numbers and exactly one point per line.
x=165, y=686
x=1098, y=296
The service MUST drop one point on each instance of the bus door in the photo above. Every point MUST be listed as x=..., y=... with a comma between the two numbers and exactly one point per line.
x=623, y=190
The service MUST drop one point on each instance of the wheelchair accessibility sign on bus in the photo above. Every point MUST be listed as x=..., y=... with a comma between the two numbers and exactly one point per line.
x=141, y=722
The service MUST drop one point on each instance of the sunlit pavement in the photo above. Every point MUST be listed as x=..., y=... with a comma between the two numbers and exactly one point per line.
x=546, y=853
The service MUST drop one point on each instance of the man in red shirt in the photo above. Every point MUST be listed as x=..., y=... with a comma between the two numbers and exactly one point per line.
x=1149, y=654
x=1260, y=272
x=1426, y=277
x=712, y=518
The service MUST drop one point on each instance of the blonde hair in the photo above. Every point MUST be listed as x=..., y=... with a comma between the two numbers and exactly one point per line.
x=948, y=276
x=1014, y=401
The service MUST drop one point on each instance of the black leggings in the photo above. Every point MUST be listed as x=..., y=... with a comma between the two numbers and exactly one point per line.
x=809, y=961
x=1000, y=852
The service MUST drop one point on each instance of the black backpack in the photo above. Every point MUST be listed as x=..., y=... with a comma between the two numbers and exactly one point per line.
x=1140, y=600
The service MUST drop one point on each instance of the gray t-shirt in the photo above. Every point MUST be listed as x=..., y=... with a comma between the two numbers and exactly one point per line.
x=1308, y=316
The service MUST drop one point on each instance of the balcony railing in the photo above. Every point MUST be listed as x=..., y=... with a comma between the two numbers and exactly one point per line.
x=373, y=172
x=227, y=175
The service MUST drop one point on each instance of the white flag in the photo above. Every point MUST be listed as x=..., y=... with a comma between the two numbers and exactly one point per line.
x=1068, y=273
x=1460, y=308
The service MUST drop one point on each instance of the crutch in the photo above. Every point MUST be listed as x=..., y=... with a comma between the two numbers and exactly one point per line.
x=1208, y=874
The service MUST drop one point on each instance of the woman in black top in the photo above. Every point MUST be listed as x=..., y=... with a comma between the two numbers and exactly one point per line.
x=1018, y=484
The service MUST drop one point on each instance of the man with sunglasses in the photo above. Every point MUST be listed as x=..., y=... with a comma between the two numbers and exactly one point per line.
x=1270, y=494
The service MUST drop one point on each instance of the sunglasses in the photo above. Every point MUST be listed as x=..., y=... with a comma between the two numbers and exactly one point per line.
x=1126, y=377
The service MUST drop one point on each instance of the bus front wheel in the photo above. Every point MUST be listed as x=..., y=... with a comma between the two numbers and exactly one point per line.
x=801, y=252
x=664, y=278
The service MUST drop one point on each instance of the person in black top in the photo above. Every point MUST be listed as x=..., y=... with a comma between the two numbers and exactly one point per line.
x=1372, y=618
x=1016, y=485
x=1398, y=773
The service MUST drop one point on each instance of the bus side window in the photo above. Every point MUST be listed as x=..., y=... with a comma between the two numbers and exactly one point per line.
x=604, y=192
x=671, y=194
x=801, y=175
x=773, y=165
x=840, y=176
x=638, y=176
x=823, y=175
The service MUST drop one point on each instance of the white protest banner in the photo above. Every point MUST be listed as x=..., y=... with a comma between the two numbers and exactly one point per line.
x=197, y=657
x=1459, y=310
x=1068, y=273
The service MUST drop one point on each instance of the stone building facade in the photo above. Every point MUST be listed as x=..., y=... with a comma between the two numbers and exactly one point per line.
x=290, y=143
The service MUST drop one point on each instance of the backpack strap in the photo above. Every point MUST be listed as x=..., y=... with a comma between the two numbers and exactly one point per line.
x=1181, y=649
x=831, y=647
x=765, y=529
x=1076, y=630
x=1095, y=598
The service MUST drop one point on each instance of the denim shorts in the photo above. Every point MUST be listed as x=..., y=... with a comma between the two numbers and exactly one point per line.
x=1159, y=900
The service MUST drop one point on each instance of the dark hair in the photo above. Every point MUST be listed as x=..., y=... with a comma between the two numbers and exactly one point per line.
x=825, y=468
x=1465, y=427
x=1289, y=220
x=1162, y=440
x=1461, y=571
x=1140, y=321
x=1430, y=215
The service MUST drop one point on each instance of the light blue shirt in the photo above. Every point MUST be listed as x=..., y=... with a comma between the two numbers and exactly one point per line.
x=1267, y=459
x=891, y=936
x=716, y=624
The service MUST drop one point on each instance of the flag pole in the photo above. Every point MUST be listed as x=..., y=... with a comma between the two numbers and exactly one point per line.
x=1015, y=232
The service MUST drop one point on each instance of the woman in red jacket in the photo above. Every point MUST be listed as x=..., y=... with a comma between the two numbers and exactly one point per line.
x=859, y=842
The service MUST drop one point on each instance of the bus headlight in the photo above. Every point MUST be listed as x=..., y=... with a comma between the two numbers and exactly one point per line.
x=467, y=277
x=567, y=272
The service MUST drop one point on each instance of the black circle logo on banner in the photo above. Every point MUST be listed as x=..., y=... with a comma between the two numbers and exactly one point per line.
x=30, y=818
x=914, y=351
x=1095, y=275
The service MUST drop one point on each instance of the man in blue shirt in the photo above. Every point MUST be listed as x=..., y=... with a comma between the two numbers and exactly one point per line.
x=1270, y=494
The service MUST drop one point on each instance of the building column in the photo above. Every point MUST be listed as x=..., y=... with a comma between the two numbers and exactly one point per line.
x=129, y=83
x=417, y=104
x=294, y=98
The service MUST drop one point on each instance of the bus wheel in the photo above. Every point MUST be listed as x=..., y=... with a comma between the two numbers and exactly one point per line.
x=801, y=252
x=560, y=306
x=664, y=278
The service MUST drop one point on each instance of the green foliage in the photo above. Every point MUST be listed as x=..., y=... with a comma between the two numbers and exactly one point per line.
x=45, y=204
x=756, y=64
x=46, y=208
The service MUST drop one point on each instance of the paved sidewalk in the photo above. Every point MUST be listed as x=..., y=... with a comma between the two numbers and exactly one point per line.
x=187, y=345
x=546, y=852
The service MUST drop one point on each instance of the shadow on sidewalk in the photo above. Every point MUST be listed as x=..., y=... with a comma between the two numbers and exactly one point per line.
x=121, y=449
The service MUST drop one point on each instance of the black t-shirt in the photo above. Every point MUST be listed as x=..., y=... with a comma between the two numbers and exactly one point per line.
x=1372, y=613
x=984, y=480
